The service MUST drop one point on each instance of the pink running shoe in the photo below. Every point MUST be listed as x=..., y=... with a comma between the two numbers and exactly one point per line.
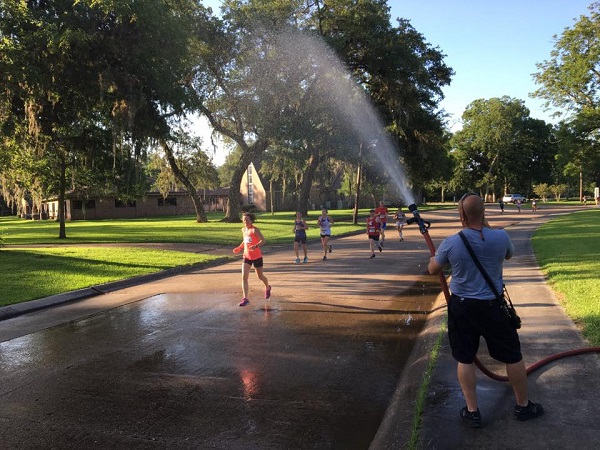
x=244, y=302
x=268, y=292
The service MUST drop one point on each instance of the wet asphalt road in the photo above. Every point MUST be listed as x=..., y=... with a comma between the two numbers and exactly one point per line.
x=177, y=364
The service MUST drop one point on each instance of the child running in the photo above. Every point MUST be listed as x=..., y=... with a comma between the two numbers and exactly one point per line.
x=325, y=223
x=400, y=219
x=382, y=212
x=300, y=228
x=252, y=240
x=373, y=231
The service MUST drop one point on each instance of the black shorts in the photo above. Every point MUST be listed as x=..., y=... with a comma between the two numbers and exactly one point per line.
x=469, y=319
x=257, y=263
x=300, y=238
x=375, y=237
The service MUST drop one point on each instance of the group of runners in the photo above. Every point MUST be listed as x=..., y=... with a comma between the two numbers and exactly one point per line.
x=377, y=224
x=252, y=240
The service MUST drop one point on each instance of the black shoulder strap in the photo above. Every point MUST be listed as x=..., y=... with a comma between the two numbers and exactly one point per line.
x=478, y=264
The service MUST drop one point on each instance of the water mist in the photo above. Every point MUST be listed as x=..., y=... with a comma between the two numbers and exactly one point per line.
x=336, y=86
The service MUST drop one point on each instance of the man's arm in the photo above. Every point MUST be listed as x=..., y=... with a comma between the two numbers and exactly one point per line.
x=434, y=267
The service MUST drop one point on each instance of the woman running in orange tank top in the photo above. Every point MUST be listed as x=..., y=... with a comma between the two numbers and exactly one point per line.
x=251, y=243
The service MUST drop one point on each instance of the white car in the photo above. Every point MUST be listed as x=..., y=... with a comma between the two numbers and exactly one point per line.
x=512, y=198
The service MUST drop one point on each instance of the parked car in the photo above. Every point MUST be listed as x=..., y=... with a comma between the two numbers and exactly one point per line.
x=512, y=198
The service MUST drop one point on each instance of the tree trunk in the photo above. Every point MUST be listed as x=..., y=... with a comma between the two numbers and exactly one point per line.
x=62, y=187
x=271, y=191
x=196, y=200
x=307, y=180
x=358, y=183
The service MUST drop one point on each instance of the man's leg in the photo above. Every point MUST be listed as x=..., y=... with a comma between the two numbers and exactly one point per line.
x=468, y=384
x=517, y=375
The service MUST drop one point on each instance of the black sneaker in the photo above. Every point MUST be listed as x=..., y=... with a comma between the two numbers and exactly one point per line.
x=470, y=419
x=531, y=411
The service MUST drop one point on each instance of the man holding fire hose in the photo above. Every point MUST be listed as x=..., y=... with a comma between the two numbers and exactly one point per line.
x=473, y=310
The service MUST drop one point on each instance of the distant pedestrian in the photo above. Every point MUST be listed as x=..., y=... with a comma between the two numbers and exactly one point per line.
x=584, y=200
x=300, y=227
x=325, y=222
x=518, y=203
x=400, y=219
x=373, y=232
x=501, y=203
x=382, y=212
x=534, y=205
x=251, y=243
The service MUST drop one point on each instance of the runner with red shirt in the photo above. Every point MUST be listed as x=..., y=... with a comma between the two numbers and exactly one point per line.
x=382, y=212
x=373, y=231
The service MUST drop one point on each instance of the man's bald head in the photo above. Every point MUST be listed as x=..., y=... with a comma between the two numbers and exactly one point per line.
x=472, y=210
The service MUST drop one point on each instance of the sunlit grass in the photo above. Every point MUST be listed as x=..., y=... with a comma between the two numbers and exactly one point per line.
x=276, y=228
x=28, y=274
x=568, y=251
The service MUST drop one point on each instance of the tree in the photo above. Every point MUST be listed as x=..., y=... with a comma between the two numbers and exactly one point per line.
x=79, y=70
x=558, y=190
x=498, y=147
x=542, y=190
x=193, y=164
x=147, y=68
x=262, y=78
x=570, y=81
x=401, y=73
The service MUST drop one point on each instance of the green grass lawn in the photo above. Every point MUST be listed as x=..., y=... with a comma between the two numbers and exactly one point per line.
x=276, y=228
x=28, y=274
x=568, y=251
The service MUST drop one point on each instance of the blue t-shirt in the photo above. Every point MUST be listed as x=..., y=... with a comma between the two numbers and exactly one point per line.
x=491, y=251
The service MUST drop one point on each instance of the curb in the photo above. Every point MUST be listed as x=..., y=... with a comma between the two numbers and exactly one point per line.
x=396, y=428
x=8, y=312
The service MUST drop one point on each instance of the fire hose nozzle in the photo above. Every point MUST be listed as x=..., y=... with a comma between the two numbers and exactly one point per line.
x=423, y=225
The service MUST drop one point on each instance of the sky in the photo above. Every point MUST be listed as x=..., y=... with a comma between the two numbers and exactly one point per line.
x=492, y=46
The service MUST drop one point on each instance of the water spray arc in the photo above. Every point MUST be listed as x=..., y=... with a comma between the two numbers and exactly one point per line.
x=424, y=229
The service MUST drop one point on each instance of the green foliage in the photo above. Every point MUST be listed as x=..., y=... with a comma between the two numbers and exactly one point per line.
x=27, y=274
x=500, y=148
x=570, y=81
x=568, y=251
x=542, y=190
x=558, y=190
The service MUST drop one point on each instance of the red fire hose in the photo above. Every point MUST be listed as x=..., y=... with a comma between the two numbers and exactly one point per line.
x=424, y=228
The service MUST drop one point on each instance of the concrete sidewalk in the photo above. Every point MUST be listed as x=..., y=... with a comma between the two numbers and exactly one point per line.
x=567, y=388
